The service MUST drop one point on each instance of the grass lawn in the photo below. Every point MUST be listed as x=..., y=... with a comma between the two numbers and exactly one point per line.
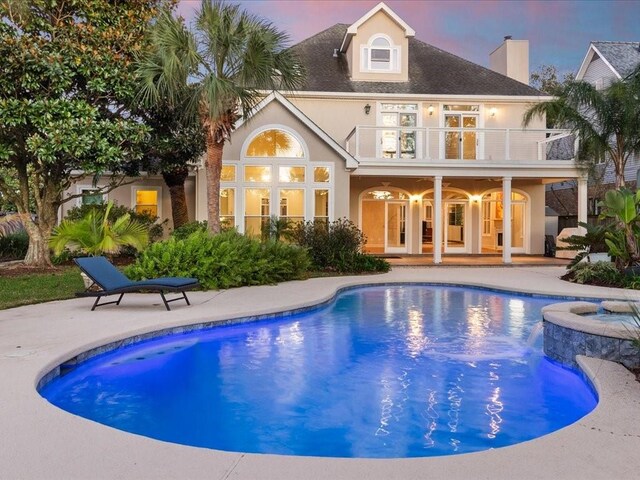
x=39, y=287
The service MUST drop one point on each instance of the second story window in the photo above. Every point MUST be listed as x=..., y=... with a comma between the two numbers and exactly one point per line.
x=380, y=55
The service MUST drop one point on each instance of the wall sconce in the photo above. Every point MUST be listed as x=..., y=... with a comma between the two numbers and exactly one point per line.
x=492, y=112
x=430, y=110
x=475, y=199
x=415, y=199
x=367, y=109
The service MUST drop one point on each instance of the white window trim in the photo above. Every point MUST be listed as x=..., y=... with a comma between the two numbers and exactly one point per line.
x=395, y=52
x=275, y=185
x=274, y=126
x=480, y=125
x=80, y=188
x=418, y=112
x=135, y=188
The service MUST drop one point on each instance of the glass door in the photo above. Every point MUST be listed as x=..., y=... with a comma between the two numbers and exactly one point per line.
x=461, y=144
x=395, y=240
x=401, y=140
x=454, y=227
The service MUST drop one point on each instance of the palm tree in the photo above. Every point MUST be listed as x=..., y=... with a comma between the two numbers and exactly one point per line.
x=227, y=62
x=94, y=234
x=607, y=122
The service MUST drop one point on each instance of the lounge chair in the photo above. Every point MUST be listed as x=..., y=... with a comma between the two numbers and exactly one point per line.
x=113, y=282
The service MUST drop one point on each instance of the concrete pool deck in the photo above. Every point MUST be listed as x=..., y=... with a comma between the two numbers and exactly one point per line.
x=39, y=441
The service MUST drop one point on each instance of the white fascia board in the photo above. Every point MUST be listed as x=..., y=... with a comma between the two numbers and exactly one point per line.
x=408, y=31
x=419, y=96
x=296, y=112
x=587, y=60
x=531, y=171
x=353, y=28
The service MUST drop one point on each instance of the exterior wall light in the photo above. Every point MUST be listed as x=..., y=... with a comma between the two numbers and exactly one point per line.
x=367, y=109
x=493, y=112
x=475, y=198
x=430, y=110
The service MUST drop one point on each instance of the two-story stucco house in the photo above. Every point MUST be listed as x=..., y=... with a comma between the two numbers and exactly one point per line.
x=422, y=149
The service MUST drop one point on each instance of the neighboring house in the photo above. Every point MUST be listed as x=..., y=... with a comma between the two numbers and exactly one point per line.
x=423, y=150
x=604, y=63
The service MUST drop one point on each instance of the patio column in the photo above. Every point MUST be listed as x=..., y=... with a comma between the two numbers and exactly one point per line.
x=582, y=202
x=506, y=220
x=437, y=220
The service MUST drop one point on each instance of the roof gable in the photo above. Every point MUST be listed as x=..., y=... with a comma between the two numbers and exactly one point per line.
x=621, y=57
x=381, y=7
x=350, y=162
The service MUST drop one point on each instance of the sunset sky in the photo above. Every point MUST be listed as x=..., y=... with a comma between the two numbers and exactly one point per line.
x=559, y=32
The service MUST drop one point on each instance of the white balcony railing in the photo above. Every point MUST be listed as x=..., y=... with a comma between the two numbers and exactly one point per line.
x=411, y=144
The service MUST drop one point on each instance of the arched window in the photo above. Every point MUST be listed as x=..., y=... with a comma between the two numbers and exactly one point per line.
x=275, y=143
x=380, y=55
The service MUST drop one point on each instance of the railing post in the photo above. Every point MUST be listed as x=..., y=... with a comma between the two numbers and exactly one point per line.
x=426, y=144
x=357, y=141
x=507, y=152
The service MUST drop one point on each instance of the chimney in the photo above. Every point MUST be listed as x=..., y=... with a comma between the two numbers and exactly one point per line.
x=511, y=59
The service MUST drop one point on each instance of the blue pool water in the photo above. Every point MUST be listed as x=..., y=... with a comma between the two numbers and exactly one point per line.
x=387, y=372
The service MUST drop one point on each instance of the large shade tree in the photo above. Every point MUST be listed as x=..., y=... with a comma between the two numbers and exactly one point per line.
x=67, y=78
x=176, y=143
x=606, y=121
x=228, y=60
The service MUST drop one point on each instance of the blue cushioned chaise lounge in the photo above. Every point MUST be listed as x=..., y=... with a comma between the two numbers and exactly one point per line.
x=113, y=282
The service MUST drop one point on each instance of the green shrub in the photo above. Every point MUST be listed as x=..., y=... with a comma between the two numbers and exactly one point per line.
x=336, y=246
x=598, y=273
x=95, y=234
x=187, y=229
x=226, y=260
x=14, y=246
x=117, y=211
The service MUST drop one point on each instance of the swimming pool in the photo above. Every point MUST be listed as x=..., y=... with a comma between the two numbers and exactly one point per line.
x=393, y=371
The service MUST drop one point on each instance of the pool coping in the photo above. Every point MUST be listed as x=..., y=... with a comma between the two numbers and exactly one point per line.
x=49, y=443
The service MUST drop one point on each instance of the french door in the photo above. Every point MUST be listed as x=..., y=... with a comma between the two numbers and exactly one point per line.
x=461, y=144
x=455, y=238
x=395, y=234
x=400, y=141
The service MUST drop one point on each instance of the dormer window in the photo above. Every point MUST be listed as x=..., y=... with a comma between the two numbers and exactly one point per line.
x=380, y=55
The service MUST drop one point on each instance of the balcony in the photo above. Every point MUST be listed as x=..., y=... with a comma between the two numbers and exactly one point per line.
x=423, y=146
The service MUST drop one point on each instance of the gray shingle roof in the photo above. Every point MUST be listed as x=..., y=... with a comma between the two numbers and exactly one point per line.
x=431, y=71
x=623, y=56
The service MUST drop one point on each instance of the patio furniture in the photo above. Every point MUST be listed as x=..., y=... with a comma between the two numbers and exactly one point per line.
x=113, y=282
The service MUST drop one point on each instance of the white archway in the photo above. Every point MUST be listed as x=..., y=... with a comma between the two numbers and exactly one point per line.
x=383, y=217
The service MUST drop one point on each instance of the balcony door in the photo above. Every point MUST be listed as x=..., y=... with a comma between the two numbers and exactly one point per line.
x=400, y=140
x=459, y=143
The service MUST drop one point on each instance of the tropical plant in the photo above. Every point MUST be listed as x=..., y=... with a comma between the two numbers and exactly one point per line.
x=116, y=211
x=225, y=260
x=599, y=273
x=95, y=234
x=277, y=228
x=336, y=246
x=223, y=68
x=607, y=121
x=14, y=246
x=66, y=82
x=622, y=241
x=188, y=228
x=593, y=241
